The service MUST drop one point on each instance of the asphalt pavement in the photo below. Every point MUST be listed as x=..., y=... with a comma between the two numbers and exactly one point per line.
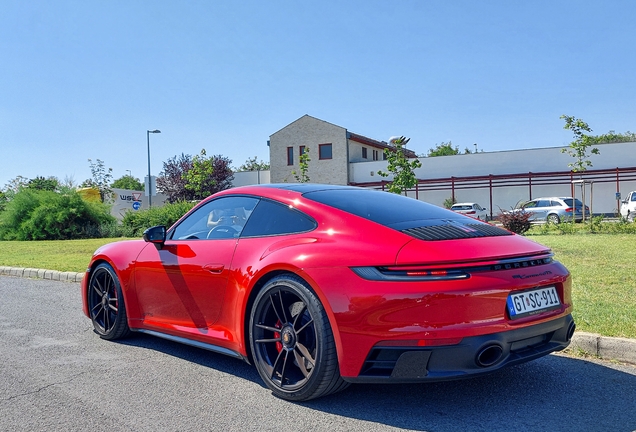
x=607, y=348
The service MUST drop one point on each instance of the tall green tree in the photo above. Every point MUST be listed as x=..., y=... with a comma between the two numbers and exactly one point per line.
x=128, y=182
x=443, y=149
x=579, y=148
x=401, y=167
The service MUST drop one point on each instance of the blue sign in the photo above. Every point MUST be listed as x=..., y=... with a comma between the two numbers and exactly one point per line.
x=618, y=196
x=136, y=205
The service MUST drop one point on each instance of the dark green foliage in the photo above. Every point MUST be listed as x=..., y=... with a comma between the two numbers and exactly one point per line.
x=516, y=221
x=128, y=182
x=41, y=183
x=135, y=223
x=44, y=215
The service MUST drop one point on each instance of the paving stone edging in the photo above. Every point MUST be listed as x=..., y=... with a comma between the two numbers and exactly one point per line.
x=608, y=348
x=41, y=274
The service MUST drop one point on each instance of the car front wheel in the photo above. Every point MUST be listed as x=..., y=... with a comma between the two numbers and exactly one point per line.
x=292, y=341
x=106, y=303
x=554, y=219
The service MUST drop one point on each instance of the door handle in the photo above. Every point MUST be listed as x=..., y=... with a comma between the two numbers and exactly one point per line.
x=214, y=268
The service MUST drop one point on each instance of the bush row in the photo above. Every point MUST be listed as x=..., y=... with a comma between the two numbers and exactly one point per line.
x=45, y=215
x=34, y=214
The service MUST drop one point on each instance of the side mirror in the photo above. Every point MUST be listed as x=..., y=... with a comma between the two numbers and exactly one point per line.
x=156, y=235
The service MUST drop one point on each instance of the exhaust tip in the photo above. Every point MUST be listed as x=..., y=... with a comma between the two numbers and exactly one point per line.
x=489, y=355
x=570, y=332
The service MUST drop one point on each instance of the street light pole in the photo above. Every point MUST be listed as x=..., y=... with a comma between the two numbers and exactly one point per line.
x=148, y=132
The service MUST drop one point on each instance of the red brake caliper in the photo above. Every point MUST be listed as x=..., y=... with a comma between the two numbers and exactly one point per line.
x=279, y=345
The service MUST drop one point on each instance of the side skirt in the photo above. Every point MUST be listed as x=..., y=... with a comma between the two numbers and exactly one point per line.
x=197, y=344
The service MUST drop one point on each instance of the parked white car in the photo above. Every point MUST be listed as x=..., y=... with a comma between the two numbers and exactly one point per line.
x=471, y=209
x=628, y=206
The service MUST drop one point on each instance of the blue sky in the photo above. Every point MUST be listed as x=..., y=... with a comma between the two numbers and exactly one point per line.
x=84, y=80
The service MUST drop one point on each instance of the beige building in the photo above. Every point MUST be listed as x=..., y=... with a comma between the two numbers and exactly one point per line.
x=331, y=151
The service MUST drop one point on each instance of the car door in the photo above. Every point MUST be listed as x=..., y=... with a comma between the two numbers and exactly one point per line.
x=182, y=285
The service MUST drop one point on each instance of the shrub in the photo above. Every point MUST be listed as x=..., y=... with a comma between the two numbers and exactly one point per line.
x=517, y=221
x=46, y=215
x=134, y=223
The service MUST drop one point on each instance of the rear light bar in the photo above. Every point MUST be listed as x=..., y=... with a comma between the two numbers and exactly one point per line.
x=430, y=274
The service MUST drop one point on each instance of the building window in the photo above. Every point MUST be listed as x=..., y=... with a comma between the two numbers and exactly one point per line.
x=302, y=150
x=290, y=155
x=324, y=151
x=364, y=152
x=375, y=155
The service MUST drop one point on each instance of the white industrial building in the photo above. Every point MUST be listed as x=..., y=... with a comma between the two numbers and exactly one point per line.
x=496, y=180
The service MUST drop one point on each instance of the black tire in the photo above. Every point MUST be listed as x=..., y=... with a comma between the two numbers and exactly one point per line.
x=554, y=219
x=292, y=342
x=106, y=303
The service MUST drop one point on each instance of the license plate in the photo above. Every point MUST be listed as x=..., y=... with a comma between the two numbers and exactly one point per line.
x=521, y=304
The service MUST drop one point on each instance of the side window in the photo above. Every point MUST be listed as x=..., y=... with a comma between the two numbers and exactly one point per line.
x=543, y=203
x=530, y=204
x=271, y=218
x=220, y=218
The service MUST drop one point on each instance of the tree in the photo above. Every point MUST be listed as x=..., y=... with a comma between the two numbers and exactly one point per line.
x=171, y=181
x=40, y=183
x=443, y=149
x=102, y=178
x=199, y=178
x=251, y=164
x=401, y=167
x=128, y=182
x=578, y=148
x=613, y=137
x=14, y=185
x=185, y=178
x=303, y=165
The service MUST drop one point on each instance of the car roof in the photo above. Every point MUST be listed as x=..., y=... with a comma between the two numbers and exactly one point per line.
x=464, y=203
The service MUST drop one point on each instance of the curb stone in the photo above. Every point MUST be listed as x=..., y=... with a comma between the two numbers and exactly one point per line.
x=608, y=348
x=41, y=274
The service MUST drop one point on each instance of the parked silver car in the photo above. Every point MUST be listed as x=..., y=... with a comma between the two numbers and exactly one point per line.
x=555, y=209
x=471, y=209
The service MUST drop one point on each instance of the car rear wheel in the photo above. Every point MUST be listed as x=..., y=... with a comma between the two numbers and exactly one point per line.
x=106, y=303
x=292, y=342
x=554, y=219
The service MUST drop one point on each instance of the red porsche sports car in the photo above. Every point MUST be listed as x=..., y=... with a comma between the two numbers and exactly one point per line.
x=320, y=286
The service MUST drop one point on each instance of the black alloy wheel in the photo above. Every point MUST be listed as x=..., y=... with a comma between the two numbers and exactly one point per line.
x=106, y=303
x=292, y=342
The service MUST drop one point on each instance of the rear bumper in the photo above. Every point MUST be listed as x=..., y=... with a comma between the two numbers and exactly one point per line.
x=473, y=356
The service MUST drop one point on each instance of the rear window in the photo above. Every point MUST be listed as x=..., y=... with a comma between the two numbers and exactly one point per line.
x=568, y=202
x=384, y=208
x=462, y=207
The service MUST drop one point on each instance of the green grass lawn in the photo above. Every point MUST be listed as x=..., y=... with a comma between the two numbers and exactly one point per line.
x=602, y=266
x=61, y=255
x=604, y=280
